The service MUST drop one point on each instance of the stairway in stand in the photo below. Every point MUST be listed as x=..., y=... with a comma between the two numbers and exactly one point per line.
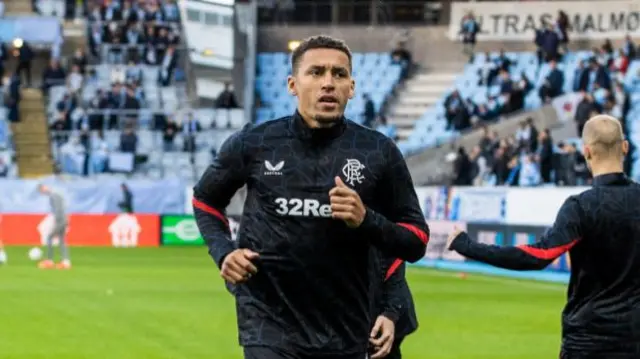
x=423, y=90
x=31, y=137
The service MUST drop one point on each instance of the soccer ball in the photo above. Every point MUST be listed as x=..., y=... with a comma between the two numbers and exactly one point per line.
x=35, y=253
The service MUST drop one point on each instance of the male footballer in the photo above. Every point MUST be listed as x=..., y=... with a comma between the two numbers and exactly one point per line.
x=600, y=228
x=59, y=229
x=322, y=193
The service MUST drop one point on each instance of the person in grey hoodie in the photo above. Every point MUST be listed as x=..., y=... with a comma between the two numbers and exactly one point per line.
x=59, y=229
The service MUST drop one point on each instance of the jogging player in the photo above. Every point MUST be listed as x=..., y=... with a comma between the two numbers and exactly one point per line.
x=322, y=193
x=397, y=315
x=59, y=229
x=600, y=229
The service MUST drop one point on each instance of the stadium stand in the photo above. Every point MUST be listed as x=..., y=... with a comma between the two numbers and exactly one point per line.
x=126, y=112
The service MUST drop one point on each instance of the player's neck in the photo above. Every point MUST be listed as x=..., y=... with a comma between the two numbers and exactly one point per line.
x=605, y=168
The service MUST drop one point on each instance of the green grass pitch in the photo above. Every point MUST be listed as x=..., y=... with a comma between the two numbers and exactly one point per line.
x=171, y=303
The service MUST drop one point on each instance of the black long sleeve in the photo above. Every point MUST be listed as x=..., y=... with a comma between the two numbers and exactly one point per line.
x=565, y=233
x=399, y=230
x=393, y=300
x=214, y=191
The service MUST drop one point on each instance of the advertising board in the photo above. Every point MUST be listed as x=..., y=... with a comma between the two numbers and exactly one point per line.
x=109, y=230
x=517, y=20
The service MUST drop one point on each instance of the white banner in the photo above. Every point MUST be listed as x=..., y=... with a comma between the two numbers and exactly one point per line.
x=537, y=206
x=517, y=20
x=478, y=204
x=566, y=105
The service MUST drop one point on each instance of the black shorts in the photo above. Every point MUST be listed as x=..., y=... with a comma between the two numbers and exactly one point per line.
x=278, y=353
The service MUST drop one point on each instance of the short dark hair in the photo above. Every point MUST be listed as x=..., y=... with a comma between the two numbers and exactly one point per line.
x=318, y=42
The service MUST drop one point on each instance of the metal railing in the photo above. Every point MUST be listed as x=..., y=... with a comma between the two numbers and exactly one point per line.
x=90, y=152
x=150, y=119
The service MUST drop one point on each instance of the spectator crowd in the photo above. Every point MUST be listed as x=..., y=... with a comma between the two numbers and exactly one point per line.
x=529, y=157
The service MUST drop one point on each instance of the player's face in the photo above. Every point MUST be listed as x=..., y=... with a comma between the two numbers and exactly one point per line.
x=323, y=85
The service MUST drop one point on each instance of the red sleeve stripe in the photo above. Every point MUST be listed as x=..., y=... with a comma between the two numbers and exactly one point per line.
x=394, y=267
x=548, y=253
x=417, y=231
x=204, y=207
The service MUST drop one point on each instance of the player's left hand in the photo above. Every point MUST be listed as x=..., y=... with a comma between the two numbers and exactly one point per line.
x=452, y=236
x=382, y=336
x=346, y=204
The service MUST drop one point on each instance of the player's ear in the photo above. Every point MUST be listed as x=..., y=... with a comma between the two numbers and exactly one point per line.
x=587, y=152
x=352, y=90
x=291, y=85
x=625, y=147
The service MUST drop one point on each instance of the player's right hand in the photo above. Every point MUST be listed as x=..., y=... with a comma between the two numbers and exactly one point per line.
x=452, y=236
x=237, y=266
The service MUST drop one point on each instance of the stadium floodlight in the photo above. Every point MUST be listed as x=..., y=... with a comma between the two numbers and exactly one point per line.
x=293, y=44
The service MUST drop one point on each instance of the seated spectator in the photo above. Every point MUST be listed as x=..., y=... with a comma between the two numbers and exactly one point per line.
x=553, y=84
x=619, y=66
x=53, y=75
x=67, y=105
x=456, y=112
x=168, y=64
x=99, y=153
x=96, y=38
x=72, y=155
x=227, y=99
x=479, y=168
x=133, y=74
x=529, y=173
x=118, y=74
x=595, y=74
x=75, y=80
x=169, y=135
x=128, y=140
x=80, y=59
x=190, y=128
x=462, y=169
x=579, y=77
x=502, y=61
x=369, y=114
x=171, y=11
x=545, y=155
x=488, y=71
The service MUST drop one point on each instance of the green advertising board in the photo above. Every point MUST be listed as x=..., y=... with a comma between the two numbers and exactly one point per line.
x=180, y=230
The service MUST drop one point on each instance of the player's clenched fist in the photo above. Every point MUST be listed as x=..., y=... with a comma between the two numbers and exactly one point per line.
x=237, y=266
x=346, y=204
